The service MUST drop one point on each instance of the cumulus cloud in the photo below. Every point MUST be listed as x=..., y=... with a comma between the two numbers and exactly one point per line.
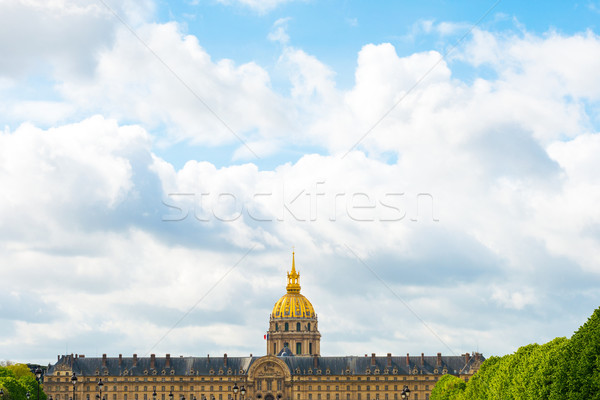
x=460, y=199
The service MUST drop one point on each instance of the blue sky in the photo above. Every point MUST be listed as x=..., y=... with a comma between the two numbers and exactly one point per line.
x=435, y=203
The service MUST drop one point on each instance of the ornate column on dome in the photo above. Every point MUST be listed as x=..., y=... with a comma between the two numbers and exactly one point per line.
x=293, y=327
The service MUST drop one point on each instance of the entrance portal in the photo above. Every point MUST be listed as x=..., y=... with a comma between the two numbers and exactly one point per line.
x=269, y=397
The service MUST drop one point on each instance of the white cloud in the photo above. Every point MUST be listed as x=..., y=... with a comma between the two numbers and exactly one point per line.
x=491, y=186
x=260, y=6
x=279, y=31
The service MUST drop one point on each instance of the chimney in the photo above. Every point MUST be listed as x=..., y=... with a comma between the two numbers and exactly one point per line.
x=58, y=357
x=120, y=359
x=82, y=356
x=439, y=359
x=467, y=358
x=225, y=359
x=477, y=356
x=407, y=360
x=104, y=360
x=152, y=361
x=134, y=360
x=389, y=359
x=422, y=359
x=168, y=361
x=316, y=361
x=372, y=358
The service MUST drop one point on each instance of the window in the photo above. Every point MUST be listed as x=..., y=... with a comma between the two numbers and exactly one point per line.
x=279, y=385
x=310, y=348
x=298, y=326
x=276, y=326
x=309, y=396
x=286, y=327
x=298, y=348
x=308, y=327
x=274, y=348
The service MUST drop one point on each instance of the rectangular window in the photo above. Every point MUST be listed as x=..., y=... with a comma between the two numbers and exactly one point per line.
x=310, y=348
x=298, y=348
x=310, y=396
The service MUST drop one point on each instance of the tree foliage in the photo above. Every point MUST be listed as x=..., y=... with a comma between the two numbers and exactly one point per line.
x=562, y=369
x=16, y=380
x=449, y=387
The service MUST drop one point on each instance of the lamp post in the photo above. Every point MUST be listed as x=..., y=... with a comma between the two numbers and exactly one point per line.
x=154, y=395
x=38, y=377
x=405, y=392
x=27, y=395
x=73, y=381
x=242, y=393
x=235, y=389
x=100, y=384
x=1, y=393
x=171, y=395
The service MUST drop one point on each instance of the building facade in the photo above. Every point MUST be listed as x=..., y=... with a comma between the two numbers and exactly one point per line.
x=293, y=369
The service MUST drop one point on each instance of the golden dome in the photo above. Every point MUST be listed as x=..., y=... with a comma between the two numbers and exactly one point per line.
x=293, y=304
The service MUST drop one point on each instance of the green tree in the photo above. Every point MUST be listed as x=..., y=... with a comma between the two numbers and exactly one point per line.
x=449, y=387
x=578, y=377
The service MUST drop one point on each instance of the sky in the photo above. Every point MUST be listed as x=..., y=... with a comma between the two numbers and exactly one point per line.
x=434, y=166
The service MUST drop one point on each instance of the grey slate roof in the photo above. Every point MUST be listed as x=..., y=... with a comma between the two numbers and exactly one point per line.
x=235, y=366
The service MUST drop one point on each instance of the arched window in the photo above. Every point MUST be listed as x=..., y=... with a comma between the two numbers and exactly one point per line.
x=276, y=326
x=308, y=327
x=298, y=326
x=286, y=327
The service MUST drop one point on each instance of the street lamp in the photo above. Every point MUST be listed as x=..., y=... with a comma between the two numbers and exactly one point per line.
x=171, y=395
x=235, y=389
x=1, y=393
x=27, y=395
x=405, y=392
x=154, y=395
x=73, y=381
x=242, y=392
x=38, y=377
x=100, y=384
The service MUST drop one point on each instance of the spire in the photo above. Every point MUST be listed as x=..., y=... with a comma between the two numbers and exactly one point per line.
x=293, y=285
